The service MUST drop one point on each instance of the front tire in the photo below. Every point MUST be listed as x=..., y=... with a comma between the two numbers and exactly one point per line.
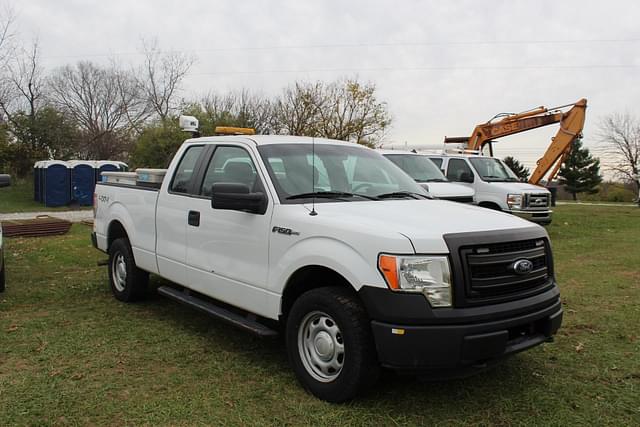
x=128, y=283
x=330, y=345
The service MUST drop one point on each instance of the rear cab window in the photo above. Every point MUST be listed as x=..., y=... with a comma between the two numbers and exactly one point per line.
x=181, y=182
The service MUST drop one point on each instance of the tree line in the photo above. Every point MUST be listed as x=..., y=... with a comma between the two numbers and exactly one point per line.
x=89, y=110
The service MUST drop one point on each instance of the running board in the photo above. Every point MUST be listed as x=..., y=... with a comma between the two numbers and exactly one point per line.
x=218, y=312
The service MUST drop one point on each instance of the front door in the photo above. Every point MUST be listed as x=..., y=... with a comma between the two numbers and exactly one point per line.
x=228, y=251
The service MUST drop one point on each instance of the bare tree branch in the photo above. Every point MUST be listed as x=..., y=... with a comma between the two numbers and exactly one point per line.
x=619, y=136
x=161, y=77
x=345, y=109
x=104, y=102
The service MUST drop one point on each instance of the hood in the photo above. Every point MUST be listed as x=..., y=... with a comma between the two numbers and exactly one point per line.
x=447, y=189
x=519, y=187
x=423, y=222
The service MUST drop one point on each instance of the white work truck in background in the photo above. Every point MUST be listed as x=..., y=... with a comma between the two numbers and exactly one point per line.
x=429, y=176
x=496, y=186
x=294, y=235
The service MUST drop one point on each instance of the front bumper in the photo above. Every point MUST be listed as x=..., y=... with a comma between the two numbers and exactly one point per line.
x=455, y=339
x=540, y=217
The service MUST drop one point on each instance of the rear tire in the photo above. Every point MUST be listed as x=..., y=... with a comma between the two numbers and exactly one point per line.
x=330, y=344
x=128, y=283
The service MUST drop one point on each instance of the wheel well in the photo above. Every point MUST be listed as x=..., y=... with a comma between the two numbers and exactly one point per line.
x=490, y=205
x=116, y=231
x=307, y=278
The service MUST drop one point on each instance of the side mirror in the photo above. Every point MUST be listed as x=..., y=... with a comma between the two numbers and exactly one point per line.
x=466, y=177
x=237, y=197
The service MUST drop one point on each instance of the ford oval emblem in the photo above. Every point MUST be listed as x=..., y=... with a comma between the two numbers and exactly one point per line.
x=522, y=267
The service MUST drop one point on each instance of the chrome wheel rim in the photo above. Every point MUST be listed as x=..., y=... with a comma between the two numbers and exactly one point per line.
x=119, y=272
x=321, y=346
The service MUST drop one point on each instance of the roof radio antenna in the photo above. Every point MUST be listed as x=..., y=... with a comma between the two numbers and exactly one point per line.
x=313, y=176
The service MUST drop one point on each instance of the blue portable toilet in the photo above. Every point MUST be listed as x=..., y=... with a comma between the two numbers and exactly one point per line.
x=57, y=183
x=106, y=166
x=83, y=181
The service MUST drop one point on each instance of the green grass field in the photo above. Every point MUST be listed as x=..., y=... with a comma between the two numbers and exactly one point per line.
x=19, y=198
x=70, y=354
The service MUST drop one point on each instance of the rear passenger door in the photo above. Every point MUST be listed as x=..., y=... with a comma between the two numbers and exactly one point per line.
x=172, y=215
x=228, y=250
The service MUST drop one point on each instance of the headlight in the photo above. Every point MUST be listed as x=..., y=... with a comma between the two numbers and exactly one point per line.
x=514, y=200
x=429, y=275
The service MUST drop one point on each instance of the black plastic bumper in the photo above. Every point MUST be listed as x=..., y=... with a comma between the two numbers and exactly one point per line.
x=458, y=338
x=94, y=240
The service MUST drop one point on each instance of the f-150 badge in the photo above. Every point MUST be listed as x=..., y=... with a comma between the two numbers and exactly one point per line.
x=282, y=230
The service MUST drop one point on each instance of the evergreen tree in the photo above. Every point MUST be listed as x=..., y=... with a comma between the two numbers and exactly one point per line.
x=580, y=172
x=517, y=168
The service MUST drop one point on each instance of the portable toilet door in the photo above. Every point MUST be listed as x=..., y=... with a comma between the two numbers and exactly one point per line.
x=39, y=178
x=106, y=166
x=57, y=183
x=83, y=182
x=36, y=181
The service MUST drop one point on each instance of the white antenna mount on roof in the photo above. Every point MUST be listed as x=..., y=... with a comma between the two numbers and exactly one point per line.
x=189, y=124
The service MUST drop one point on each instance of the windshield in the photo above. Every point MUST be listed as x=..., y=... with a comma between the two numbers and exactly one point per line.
x=418, y=167
x=492, y=169
x=338, y=173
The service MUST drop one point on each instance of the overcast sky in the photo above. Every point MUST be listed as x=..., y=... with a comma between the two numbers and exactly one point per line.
x=442, y=66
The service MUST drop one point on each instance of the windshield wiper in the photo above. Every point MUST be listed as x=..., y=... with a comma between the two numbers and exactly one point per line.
x=329, y=195
x=494, y=178
x=436, y=180
x=403, y=194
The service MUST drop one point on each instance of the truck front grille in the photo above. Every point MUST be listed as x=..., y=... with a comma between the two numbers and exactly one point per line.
x=540, y=201
x=490, y=273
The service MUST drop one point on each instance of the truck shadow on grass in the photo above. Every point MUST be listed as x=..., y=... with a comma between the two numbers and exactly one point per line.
x=267, y=357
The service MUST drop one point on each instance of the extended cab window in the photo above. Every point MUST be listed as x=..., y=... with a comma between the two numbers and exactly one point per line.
x=229, y=165
x=458, y=168
x=185, y=169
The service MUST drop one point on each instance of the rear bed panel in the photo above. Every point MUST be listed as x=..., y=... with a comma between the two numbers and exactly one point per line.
x=135, y=208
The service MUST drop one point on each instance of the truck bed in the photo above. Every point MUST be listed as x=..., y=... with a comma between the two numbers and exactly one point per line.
x=134, y=206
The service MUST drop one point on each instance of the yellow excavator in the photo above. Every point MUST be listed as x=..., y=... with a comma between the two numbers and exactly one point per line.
x=571, y=124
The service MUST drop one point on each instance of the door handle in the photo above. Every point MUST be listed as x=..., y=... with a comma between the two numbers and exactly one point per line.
x=194, y=218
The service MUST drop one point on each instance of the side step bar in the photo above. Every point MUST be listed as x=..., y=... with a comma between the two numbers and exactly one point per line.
x=217, y=312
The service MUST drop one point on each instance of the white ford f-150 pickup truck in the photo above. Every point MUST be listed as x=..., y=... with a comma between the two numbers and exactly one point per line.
x=304, y=237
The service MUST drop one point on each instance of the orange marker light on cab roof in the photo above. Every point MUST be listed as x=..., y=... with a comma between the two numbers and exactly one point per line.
x=230, y=130
x=389, y=268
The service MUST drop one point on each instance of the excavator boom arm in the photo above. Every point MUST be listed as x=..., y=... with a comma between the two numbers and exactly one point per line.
x=571, y=124
x=570, y=128
x=488, y=132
